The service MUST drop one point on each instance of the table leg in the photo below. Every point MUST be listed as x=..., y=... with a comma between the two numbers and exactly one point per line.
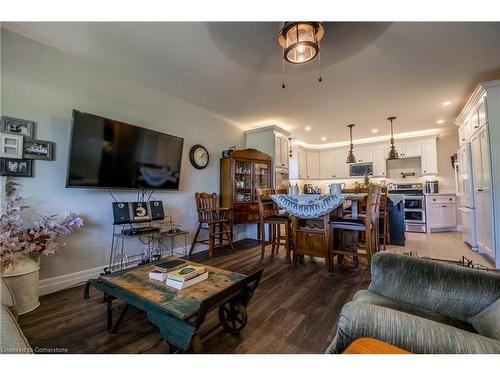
x=354, y=209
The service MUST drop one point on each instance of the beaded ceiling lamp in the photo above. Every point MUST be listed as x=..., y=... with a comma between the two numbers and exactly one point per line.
x=350, y=156
x=393, y=154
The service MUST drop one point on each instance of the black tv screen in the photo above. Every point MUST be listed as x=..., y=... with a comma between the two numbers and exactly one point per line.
x=106, y=153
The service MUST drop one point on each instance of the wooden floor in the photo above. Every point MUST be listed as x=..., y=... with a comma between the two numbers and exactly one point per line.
x=294, y=310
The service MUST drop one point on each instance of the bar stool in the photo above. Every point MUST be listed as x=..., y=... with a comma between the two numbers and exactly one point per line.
x=385, y=232
x=367, y=224
x=269, y=214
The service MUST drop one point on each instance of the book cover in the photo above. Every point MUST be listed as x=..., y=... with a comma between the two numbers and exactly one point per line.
x=186, y=273
x=158, y=276
x=170, y=265
x=179, y=285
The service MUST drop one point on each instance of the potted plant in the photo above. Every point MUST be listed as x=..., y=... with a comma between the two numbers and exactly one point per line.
x=21, y=246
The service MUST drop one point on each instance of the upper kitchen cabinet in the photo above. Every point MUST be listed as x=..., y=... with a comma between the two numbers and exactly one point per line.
x=379, y=161
x=410, y=149
x=271, y=140
x=312, y=165
x=364, y=154
x=340, y=167
x=281, y=151
x=326, y=165
x=298, y=164
x=429, y=157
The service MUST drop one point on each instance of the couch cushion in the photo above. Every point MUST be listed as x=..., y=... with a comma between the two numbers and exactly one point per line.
x=447, y=289
x=12, y=340
x=376, y=299
x=487, y=322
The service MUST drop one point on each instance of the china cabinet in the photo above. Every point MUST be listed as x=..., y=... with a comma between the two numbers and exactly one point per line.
x=242, y=173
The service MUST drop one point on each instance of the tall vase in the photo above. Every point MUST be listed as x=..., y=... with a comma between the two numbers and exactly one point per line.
x=23, y=279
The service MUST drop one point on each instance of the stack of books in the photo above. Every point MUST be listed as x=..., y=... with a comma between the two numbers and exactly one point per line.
x=178, y=275
x=186, y=276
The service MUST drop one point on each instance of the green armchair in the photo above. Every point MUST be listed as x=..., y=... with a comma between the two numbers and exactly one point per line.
x=424, y=306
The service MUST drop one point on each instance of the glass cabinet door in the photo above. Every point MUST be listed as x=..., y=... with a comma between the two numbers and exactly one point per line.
x=261, y=177
x=243, y=181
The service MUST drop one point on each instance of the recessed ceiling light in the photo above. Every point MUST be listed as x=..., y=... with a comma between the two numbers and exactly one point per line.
x=440, y=122
x=308, y=128
x=374, y=130
x=446, y=103
x=323, y=138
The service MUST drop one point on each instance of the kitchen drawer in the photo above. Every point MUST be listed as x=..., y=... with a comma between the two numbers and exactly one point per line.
x=441, y=199
x=309, y=243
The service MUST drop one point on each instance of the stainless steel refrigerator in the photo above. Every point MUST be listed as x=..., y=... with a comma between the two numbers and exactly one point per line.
x=465, y=193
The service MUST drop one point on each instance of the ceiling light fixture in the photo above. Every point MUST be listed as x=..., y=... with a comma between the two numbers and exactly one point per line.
x=446, y=103
x=393, y=154
x=300, y=42
x=323, y=138
x=440, y=122
x=350, y=156
x=374, y=130
x=308, y=128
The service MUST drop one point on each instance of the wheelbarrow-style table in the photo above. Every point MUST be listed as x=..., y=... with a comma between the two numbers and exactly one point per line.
x=179, y=314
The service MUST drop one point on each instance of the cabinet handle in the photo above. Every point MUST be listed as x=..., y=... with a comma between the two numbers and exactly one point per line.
x=475, y=127
x=479, y=190
x=463, y=139
x=425, y=171
x=451, y=199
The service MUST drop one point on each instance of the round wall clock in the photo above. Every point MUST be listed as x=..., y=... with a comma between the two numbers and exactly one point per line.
x=198, y=156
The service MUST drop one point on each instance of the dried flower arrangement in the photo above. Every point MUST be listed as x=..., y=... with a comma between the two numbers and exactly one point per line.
x=17, y=241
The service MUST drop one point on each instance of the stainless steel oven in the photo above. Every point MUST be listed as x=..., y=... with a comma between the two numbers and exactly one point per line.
x=414, y=206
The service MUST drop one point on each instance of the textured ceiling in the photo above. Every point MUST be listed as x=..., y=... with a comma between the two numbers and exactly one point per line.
x=369, y=70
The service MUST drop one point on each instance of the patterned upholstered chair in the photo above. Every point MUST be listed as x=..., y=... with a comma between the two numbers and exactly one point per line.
x=424, y=306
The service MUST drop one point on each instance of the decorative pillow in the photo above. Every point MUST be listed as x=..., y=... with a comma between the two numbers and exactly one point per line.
x=487, y=322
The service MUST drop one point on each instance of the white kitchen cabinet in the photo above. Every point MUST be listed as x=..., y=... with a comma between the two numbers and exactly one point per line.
x=302, y=164
x=429, y=157
x=411, y=149
x=379, y=161
x=281, y=152
x=482, y=190
x=441, y=211
x=340, y=167
x=462, y=134
x=313, y=172
x=326, y=165
x=363, y=154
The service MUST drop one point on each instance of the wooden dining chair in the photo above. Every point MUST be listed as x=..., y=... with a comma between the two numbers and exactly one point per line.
x=215, y=220
x=269, y=214
x=384, y=223
x=367, y=224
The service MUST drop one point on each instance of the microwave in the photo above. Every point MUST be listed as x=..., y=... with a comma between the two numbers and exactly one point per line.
x=360, y=169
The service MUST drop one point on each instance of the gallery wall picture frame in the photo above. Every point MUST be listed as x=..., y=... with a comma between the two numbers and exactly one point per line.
x=18, y=126
x=11, y=146
x=38, y=149
x=16, y=167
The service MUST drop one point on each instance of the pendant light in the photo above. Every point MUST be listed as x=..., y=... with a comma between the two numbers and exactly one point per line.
x=300, y=41
x=393, y=154
x=350, y=156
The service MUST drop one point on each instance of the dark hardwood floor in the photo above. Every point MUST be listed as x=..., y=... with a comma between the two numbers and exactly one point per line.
x=294, y=310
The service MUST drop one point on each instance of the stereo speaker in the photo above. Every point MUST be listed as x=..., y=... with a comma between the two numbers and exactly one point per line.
x=137, y=212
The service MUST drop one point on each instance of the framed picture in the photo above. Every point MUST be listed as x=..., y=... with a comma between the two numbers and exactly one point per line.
x=19, y=126
x=16, y=167
x=12, y=146
x=37, y=149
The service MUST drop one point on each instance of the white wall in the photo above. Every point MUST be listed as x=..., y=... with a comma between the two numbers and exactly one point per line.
x=43, y=84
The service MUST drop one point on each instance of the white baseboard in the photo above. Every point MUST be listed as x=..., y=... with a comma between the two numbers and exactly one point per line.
x=54, y=284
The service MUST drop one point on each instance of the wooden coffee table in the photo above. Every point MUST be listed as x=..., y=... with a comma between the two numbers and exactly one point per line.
x=179, y=314
x=371, y=346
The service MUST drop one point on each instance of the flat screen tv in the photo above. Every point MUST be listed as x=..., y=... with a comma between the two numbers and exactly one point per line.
x=110, y=154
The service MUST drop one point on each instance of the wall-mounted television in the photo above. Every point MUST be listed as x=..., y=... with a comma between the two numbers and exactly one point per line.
x=106, y=153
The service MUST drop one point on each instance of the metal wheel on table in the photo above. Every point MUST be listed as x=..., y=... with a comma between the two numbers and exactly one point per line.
x=233, y=316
